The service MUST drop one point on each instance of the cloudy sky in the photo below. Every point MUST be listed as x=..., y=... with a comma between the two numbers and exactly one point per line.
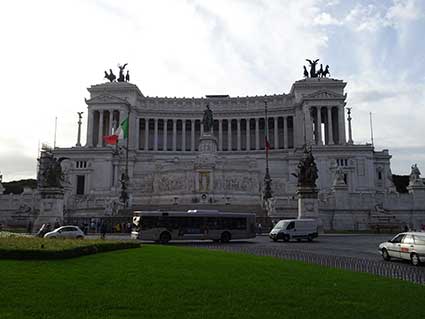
x=51, y=51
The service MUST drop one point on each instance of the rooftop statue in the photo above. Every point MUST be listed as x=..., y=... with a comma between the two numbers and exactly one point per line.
x=121, y=76
x=305, y=72
x=414, y=175
x=313, y=64
x=208, y=119
x=326, y=72
x=111, y=76
x=307, y=170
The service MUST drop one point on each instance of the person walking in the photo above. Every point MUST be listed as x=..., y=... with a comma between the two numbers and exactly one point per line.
x=103, y=230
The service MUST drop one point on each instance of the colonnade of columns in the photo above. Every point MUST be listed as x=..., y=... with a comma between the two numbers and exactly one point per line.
x=328, y=125
x=100, y=124
x=239, y=134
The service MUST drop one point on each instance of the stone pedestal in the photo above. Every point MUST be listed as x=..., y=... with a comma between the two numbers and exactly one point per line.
x=51, y=207
x=308, y=204
x=416, y=187
x=205, y=164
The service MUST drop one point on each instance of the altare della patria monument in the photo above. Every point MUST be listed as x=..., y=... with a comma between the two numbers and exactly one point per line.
x=281, y=156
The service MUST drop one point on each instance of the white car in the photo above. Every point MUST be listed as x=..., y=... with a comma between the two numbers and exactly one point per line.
x=68, y=232
x=409, y=245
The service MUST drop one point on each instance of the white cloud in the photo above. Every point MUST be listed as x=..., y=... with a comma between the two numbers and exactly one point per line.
x=325, y=18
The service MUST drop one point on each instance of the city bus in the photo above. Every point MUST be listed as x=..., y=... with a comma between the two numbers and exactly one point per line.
x=163, y=226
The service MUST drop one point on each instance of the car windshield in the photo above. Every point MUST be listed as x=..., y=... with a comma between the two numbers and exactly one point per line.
x=280, y=225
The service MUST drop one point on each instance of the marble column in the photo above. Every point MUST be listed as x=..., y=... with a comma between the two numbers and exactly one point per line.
x=330, y=130
x=146, y=134
x=220, y=135
x=276, y=131
x=111, y=119
x=174, y=134
x=90, y=128
x=229, y=135
x=257, y=134
x=341, y=125
x=192, y=135
x=319, y=125
x=285, y=132
x=238, y=134
x=155, y=135
x=164, y=135
x=183, y=135
x=137, y=134
x=100, y=138
x=248, y=134
x=202, y=128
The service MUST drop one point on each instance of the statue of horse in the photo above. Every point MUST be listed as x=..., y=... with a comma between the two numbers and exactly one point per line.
x=111, y=76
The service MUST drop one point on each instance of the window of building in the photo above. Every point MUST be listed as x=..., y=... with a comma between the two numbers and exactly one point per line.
x=80, y=184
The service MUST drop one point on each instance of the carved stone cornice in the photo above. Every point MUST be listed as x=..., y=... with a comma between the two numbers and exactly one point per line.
x=324, y=95
x=106, y=99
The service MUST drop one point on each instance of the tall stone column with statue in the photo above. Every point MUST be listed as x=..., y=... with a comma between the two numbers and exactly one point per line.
x=308, y=204
x=49, y=183
x=206, y=159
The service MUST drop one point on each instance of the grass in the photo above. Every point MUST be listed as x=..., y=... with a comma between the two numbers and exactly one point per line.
x=13, y=246
x=171, y=282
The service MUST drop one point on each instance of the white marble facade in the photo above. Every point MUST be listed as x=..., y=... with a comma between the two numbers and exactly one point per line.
x=166, y=166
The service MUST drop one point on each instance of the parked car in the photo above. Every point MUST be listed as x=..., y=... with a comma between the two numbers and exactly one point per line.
x=287, y=229
x=408, y=245
x=69, y=232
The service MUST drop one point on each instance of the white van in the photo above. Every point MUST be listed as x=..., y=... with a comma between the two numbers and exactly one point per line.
x=288, y=229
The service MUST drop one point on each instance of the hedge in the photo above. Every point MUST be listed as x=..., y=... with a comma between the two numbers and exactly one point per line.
x=43, y=254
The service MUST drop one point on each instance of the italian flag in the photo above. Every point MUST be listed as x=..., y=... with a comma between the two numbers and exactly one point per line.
x=120, y=134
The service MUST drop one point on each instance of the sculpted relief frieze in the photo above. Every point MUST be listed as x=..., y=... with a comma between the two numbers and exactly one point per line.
x=173, y=183
x=235, y=183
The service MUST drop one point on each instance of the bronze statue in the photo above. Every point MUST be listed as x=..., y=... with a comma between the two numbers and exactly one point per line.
x=121, y=76
x=312, y=67
x=320, y=72
x=326, y=72
x=127, y=76
x=307, y=170
x=208, y=119
x=305, y=72
x=111, y=76
x=50, y=171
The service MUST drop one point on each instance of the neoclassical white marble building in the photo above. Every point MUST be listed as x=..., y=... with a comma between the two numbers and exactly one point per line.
x=166, y=168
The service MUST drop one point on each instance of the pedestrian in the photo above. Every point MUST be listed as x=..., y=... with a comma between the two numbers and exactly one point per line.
x=406, y=228
x=103, y=230
x=260, y=228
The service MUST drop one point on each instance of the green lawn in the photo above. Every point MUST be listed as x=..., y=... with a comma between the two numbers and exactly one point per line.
x=170, y=282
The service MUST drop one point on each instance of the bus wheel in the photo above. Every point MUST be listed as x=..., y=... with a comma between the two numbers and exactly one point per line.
x=164, y=238
x=225, y=237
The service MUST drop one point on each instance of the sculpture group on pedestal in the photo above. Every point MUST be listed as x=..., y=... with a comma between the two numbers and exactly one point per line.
x=50, y=172
x=307, y=173
x=313, y=74
x=121, y=78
